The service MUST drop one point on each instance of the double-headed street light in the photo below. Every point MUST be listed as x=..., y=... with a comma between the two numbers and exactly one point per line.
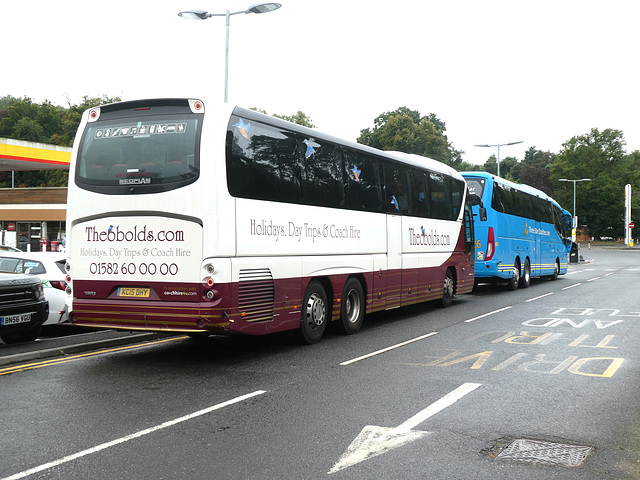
x=202, y=15
x=499, y=145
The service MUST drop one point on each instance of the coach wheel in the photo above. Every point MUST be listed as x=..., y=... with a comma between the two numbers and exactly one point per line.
x=314, y=313
x=525, y=279
x=352, y=308
x=448, y=290
x=515, y=278
x=556, y=271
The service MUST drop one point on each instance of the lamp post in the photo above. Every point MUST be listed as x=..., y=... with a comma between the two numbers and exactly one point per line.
x=575, y=217
x=499, y=145
x=574, y=189
x=202, y=15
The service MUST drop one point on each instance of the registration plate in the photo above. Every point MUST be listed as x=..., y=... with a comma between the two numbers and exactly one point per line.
x=14, y=319
x=133, y=292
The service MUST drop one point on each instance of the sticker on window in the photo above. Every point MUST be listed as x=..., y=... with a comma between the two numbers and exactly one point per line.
x=310, y=150
x=243, y=128
x=356, y=173
x=140, y=130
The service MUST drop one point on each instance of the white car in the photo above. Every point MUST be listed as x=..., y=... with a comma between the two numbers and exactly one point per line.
x=49, y=267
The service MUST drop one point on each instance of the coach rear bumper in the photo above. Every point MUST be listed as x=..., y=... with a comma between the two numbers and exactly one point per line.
x=185, y=317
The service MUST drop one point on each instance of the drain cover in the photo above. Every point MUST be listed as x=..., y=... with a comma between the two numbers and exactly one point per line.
x=546, y=453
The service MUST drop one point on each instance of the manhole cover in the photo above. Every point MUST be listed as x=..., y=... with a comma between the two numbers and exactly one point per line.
x=546, y=453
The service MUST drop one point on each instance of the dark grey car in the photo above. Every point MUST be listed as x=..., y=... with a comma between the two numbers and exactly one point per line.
x=23, y=308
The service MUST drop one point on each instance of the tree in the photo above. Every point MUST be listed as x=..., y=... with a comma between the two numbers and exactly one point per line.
x=599, y=156
x=534, y=170
x=22, y=119
x=407, y=131
x=299, y=118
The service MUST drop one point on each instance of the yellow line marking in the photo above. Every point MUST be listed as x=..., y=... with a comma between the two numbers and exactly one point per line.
x=56, y=361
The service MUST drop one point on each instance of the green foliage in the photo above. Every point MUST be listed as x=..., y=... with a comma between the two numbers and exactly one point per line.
x=299, y=118
x=599, y=156
x=22, y=119
x=534, y=170
x=407, y=131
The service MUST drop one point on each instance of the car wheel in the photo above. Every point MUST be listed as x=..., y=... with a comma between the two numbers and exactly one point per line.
x=20, y=337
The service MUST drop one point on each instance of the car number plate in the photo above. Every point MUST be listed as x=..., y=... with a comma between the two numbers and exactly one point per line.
x=14, y=319
x=133, y=292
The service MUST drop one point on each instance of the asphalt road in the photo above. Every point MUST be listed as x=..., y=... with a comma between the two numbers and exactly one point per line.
x=496, y=386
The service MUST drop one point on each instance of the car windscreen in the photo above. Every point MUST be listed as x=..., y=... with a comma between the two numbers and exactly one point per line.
x=21, y=265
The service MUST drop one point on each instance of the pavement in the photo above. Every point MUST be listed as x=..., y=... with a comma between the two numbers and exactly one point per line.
x=67, y=339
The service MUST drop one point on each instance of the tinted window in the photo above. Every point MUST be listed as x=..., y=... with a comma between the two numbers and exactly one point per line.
x=421, y=206
x=270, y=162
x=262, y=162
x=323, y=174
x=441, y=197
x=145, y=149
x=396, y=178
x=363, y=184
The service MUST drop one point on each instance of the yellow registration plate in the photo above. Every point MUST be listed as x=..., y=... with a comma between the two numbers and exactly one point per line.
x=133, y=292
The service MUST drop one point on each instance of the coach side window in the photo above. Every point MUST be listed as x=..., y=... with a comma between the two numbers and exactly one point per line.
x=396, y=180
x=441, y=201
x=322, y=179
x=261, y=162
x=363, y=188
x=457, y=193
x=420, y=194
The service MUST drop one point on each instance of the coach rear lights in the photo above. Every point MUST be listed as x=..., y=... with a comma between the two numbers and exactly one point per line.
x=67, y=280
x=94, y=114
x=196, y=106
x=491, y=249
x=208, y=281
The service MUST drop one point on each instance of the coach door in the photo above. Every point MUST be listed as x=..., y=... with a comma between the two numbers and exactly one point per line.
x=469, y=237
x=394, y=261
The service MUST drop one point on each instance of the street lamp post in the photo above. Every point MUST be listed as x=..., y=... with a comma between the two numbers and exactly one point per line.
x=574, y=190
x=499, y=145
x=575, y=217
x=202, y=15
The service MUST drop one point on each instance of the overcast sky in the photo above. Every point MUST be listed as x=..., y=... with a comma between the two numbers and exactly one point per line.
x=493, y=71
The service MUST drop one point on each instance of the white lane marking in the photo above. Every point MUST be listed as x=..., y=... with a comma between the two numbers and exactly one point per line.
x=594, y=278
x=141, y=433
x=437, y=406
x=378, y=352
x=487, y=314
x=373, y=440
x=539, y=297
x=571, y=286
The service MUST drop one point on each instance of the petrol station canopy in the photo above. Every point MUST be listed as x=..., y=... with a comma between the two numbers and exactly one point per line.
x=16, y=155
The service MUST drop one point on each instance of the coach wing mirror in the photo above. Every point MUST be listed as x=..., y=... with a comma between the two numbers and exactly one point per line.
x=474, y=199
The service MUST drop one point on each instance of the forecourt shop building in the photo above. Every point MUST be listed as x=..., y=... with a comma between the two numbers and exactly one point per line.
x=33, y=219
